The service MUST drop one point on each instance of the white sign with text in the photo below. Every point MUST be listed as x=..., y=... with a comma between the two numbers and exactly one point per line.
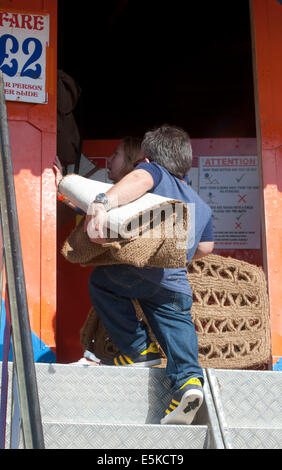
x=24, y=38
x=230, y=186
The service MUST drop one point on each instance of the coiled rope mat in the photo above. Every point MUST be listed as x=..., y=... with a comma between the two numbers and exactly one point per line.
x=230, y=312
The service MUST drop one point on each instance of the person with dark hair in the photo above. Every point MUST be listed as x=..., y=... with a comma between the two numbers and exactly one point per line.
x=164, y=295
x=126, y=156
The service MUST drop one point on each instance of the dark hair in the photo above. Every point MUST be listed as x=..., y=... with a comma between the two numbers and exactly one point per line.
x=170, y=147
x=132, y=152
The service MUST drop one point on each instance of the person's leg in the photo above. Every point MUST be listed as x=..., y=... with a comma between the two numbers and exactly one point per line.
x=111, y=291
x=169, y=316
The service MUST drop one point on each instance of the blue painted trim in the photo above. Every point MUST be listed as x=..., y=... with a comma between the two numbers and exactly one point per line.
x=42, y=353
x=278, y=365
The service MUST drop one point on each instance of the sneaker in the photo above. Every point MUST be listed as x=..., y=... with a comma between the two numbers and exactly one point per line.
x=88, y=359
x=185, y=403
x=147, y=358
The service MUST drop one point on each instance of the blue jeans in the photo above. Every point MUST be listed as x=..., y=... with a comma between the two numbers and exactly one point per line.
x=168, y=313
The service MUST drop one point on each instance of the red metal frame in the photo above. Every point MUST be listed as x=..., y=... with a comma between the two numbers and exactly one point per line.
x=266, y=22
x=33, y=145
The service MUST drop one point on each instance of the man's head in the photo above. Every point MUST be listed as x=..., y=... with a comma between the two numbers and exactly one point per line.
x=170, y=147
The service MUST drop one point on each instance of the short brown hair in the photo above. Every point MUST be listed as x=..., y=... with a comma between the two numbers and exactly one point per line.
x=170, y=147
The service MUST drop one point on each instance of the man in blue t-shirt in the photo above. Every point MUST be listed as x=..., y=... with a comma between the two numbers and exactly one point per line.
x=164, y=295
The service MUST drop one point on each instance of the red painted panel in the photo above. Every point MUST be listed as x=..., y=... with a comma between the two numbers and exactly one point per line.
x=266, y=18
x=33, y=144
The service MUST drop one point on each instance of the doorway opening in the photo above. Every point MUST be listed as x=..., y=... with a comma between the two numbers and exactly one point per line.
x=139, y=64
x=142, y=63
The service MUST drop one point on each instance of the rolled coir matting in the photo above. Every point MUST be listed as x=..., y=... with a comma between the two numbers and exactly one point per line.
x=125, y=220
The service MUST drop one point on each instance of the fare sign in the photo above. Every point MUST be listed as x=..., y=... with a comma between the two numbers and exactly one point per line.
x=24, y=38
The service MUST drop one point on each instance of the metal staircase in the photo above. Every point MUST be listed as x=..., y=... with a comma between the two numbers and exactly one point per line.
x=121, y=408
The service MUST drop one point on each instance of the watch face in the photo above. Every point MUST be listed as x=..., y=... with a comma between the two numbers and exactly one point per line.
x=101, y=198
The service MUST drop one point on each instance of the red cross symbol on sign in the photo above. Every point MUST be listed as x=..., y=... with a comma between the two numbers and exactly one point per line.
x=242, y=198
x=238, y=225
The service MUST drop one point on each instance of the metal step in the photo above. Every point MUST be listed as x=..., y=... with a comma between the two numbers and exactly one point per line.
x=123, y=436
x=249, y=407
x=116, y=408
x=121, y=408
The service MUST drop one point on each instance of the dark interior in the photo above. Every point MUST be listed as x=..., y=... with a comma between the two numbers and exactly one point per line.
x=141, y=63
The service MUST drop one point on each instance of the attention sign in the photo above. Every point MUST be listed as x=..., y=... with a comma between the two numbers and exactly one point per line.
x=230, y=186
x=23, y=41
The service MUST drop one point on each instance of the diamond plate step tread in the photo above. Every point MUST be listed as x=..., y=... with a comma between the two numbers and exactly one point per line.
x=106, y=395
x=249, y=406
x=111, y=436
x=256, y=438
x=250, y=398
x=73, y=397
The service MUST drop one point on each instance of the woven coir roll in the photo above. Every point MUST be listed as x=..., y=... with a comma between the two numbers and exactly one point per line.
x=149, y=250
x=129, y=220
x=230, y=313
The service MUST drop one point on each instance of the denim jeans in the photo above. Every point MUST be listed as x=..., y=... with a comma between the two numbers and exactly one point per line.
x=168, y=313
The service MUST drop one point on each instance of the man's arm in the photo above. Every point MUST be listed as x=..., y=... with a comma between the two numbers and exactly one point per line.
x=131, y=187
x=206, y=245
x=203, y=249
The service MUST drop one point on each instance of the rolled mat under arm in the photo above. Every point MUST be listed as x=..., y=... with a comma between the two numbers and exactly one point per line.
x=151, y=231
x=127, y=220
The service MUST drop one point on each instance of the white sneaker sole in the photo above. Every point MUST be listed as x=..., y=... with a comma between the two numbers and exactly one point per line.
x=187, y=408
x=83, y=362
x=153, y=362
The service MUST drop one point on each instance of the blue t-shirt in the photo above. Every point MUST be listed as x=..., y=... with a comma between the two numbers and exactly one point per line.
x=201, y=228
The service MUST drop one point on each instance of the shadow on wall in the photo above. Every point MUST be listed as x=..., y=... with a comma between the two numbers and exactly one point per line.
x=42, y=353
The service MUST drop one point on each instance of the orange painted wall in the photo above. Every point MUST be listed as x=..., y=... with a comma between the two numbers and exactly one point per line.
x=266, y=21
x=32, y=130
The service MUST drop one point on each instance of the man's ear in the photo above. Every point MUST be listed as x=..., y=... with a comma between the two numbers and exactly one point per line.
x=146, y=160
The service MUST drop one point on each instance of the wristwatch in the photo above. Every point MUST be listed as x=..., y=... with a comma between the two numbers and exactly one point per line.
x=102, y=198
